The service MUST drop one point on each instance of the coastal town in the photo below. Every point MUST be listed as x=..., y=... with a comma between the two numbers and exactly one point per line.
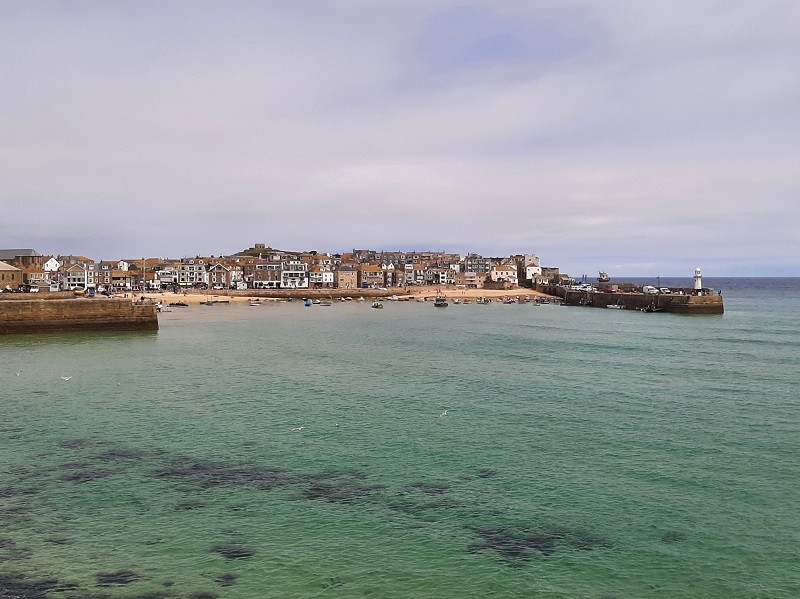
x=139, y=286
x=261, y=267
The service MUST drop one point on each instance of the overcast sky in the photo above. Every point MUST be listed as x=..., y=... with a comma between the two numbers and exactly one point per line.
x=640, y=138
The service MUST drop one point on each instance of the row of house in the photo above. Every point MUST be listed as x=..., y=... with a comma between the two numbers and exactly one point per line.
x=261, y=267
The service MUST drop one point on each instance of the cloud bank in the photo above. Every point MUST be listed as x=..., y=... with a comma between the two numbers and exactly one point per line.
x=640, y=139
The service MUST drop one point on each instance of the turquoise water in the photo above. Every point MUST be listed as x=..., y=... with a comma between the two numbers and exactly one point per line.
x=584, y=453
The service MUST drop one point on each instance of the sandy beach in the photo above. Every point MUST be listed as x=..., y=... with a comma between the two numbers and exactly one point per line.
x=196, y=297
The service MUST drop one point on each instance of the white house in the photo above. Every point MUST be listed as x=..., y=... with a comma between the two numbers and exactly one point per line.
x=504, y=272
x=192, y=272
x=52, y=265
x=75, y=277
x=532, y=268
x=294, y=274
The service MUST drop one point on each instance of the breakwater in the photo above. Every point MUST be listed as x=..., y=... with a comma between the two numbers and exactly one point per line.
x=75, y=314
x=676, y=302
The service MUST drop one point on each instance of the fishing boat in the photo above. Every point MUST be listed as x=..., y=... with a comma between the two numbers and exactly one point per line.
x=377, y=304
x=255, y=302
x=456, y=301
x=603, y=278
x=308, y=303
x=440, y=302
x=483, y=300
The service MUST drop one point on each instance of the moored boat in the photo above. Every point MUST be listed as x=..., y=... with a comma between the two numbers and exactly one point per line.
x=377, y=304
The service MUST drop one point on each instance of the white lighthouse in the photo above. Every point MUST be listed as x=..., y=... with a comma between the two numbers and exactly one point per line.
x=698, y=282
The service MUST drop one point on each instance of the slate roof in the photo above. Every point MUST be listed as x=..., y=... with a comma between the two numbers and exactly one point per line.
x=11, y=254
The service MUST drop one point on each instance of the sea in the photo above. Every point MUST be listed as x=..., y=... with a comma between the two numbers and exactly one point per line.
x=411, y=452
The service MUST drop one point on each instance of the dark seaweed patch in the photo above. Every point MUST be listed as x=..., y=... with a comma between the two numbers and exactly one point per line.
x=17, y=491
x=673, y=536
x=226, y=580
x=11, y=552
x=340, y=491
x=334, y=486
x=515, y=544
x=333, y=581
x=120, y=577
x=59, y=541
x=16, y=586
x=16, y=512
x=429, y=488
x=85, y=475
x=487, y=473
x=184, y=506
x=208, y=475
x=233, y=550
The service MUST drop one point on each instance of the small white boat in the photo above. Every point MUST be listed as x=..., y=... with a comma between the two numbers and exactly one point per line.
x=456, y=301
x=255, y=302
x=615, y=306
x=325, y=303
x=377, y=305
x=361, y=299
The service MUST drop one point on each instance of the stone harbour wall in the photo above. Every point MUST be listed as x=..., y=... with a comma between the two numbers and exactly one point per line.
x=75, y=314
x=675, y=302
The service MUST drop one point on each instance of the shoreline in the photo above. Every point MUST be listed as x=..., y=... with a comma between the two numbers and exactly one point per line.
x=198, y=297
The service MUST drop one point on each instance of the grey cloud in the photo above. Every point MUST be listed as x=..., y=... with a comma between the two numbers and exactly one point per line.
x=664, y=131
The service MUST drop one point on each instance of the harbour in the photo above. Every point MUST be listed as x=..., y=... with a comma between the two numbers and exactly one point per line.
x=312, y=457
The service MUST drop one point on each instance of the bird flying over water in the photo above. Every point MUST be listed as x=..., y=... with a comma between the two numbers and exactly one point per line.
x=443, y=414
x=66, y=378
x=297, y=429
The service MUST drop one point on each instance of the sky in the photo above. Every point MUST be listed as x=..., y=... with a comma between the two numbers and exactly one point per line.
x=638, y=138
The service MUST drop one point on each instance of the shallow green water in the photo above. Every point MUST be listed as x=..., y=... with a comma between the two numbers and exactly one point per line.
x=585, y=453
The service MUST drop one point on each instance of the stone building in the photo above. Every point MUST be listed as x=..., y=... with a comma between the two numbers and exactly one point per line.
x=10, y=276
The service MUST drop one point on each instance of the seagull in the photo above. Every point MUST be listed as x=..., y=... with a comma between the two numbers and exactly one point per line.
x=17, y=372
x=297, y=429
x=443, y=414
x=66, y=378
